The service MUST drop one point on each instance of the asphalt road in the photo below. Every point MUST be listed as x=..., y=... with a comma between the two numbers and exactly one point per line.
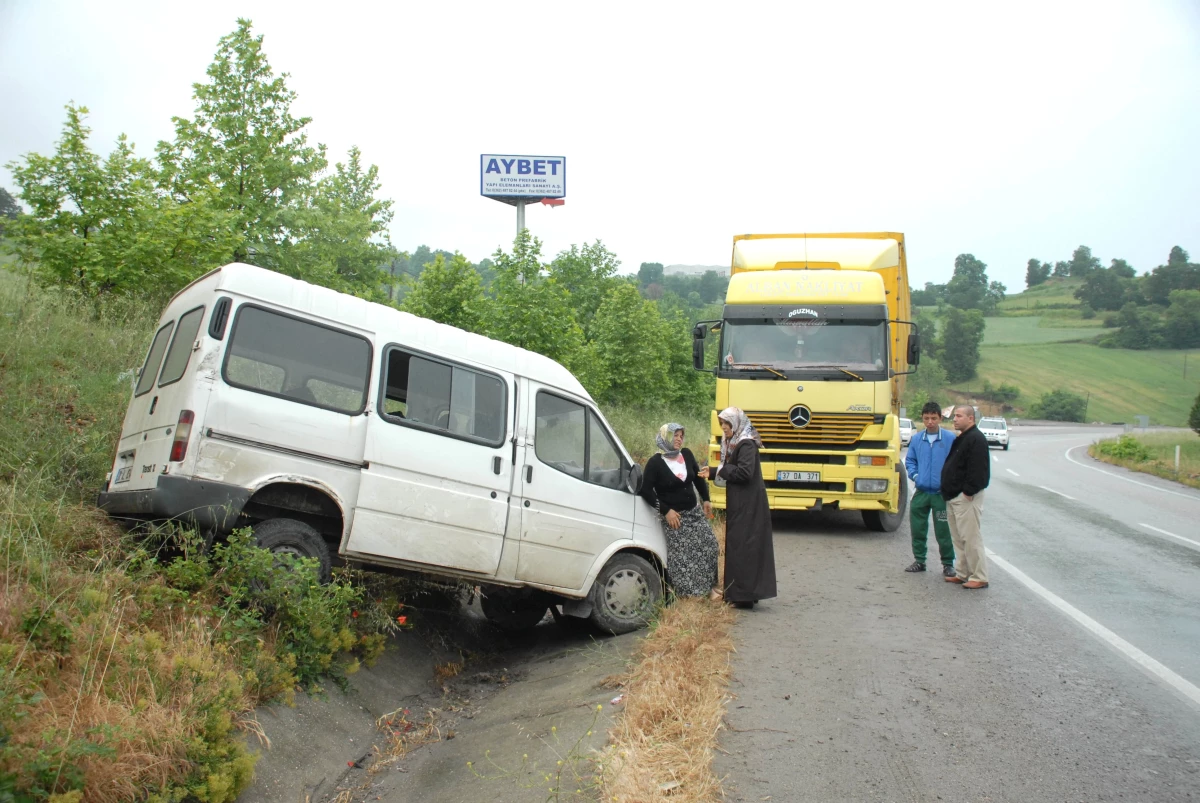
x=1072, y=678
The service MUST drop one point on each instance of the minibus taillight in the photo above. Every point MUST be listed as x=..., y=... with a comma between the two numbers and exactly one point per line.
x=183, y=431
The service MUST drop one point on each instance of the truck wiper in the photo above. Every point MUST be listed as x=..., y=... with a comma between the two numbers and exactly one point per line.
x=856, y=376
x=759, y=366
x=832, y=365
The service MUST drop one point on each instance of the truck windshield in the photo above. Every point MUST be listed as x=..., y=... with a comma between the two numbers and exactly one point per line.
x=858, y=346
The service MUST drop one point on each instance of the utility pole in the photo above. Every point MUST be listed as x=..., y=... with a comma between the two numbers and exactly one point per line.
x=1086, y=402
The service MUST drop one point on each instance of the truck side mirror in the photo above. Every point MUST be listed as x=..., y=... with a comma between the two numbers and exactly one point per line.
x=914, y=348
x=698, y=334
x=633, y=480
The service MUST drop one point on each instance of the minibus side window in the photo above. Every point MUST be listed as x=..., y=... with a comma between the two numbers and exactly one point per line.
x=432, y=394
x=153, y=360
x=299, y=360
x=570, y=438
x=181, y=347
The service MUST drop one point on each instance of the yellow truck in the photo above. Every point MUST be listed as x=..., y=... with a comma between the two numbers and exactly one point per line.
x=814, y=342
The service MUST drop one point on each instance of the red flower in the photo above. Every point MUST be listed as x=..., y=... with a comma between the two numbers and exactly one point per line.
x=402, y=620
x=354, y=614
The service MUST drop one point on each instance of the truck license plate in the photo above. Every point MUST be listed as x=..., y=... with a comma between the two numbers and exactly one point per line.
x=123, y=474
x=798, y=476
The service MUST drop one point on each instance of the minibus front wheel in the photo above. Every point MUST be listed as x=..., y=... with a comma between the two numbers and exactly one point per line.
x=626, y=594
x=291, y=537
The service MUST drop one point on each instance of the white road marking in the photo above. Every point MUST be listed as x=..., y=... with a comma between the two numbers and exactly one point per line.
x=1067, y=454
x=1060, y=493
x=1173, y=535
x=1150, y=665
x=1010, y=471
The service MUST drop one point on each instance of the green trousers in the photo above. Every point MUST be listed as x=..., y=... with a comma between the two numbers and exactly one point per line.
x=922, y=504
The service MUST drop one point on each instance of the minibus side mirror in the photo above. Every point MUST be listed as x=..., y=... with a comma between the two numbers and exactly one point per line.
x=914, y=348
x=633, y=480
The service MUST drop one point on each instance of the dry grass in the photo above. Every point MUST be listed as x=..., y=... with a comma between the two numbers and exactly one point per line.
x=663, y=745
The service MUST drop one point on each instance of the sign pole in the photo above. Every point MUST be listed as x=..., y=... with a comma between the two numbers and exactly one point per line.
x=520, y=217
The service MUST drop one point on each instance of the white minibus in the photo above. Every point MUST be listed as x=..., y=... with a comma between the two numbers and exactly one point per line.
x=349, y=431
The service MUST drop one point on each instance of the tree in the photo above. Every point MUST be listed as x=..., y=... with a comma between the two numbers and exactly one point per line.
x=1061, y=270
x=586, y=272
x=927, y=383
x=1177, y=274
x=650, y=273
x=9, y=208
x=1083, y=263
x=927, y=326
x=1194, y=416
x=627, y=325
x=969, y=287
x=347, y=241
x=1123, y=269
x=530, y=310
x=712, y=287
x=1036, y=273
x=1103, y=290
x=245, y=142
x=962, y=333
x=1060, y=405
x=1140, y=328
x=1181, y=321
x=101, y=226
x=449, y=292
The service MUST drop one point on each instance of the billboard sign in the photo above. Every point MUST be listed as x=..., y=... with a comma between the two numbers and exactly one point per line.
x=509, y=176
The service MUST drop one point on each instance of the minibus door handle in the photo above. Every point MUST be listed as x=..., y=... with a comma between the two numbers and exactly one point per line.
x=528, y=474
x=496, y=464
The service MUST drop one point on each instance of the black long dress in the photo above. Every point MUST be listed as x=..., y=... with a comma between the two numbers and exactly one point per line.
x=749, y=551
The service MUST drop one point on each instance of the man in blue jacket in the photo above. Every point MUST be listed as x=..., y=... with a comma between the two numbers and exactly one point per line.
x=926, y=456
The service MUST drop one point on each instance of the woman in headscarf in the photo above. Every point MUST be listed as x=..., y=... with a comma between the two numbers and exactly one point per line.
x=671, y=482
x=749, y=551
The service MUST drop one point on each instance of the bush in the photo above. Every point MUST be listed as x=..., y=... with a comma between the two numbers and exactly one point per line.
x=1194, y=417
x=1060, y=405
x=1125, y=447
x=1004, y=393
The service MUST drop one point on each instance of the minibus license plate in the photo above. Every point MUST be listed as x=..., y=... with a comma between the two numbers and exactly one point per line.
x=123, y=474
x=798, y=476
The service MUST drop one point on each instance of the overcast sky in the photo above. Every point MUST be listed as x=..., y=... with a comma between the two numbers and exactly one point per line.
x=1009, y=131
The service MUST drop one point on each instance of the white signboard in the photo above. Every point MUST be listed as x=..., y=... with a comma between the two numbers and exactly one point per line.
x=503, y=175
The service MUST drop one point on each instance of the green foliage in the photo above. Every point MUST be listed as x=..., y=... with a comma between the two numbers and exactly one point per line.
x=930, y=296
x=1140, y=328
x=449, y=292
x=650, y=273
x=1082, y=263
x=1104, y=289
x=969, y=287
x=962, y=333
x=1194, y=416
x=633, y=343
x=1126, y=447
x=100, y=225
x=586, y=272
x=1177, y=274
x=1181, y=322
x=929, y=382
x=1036, y=273
x=1060, y=405
x=9, y=208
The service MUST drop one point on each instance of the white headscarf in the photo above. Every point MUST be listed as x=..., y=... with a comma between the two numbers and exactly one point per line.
x=742, y=429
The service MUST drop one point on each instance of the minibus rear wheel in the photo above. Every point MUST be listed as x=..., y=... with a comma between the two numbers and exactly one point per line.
x=291, y=537
x=626, y=594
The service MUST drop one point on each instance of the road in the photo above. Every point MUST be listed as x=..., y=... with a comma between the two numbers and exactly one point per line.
x=1074, y=677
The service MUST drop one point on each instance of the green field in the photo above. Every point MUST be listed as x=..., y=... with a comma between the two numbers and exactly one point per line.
x=1122, y=383
x=1055, y=292
x=1035, y=329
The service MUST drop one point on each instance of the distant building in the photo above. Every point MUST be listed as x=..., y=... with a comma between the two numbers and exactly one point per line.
x=695, y=270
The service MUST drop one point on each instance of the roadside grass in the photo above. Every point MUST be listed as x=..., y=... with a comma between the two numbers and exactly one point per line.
x=1034, y=329
x=130, y=663
x=637, y=428
x=663, y=744
x=1122, y=383
x=1154, y=453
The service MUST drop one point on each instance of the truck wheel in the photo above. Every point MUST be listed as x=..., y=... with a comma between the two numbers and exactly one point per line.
x=513, y=611
x=625, y=594
x=291, y=537
x=883, y=522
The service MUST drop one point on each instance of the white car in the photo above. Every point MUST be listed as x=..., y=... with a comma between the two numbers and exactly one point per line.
x=906, y=431
x=996, y=431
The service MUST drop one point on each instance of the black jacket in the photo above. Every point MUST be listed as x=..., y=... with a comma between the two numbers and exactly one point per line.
x=968, y=467
x=661, y=488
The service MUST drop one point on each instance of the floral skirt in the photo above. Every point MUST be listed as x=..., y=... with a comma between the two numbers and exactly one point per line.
x=692, y=554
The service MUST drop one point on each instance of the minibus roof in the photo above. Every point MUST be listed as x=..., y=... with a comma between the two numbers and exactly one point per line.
x=387, y=324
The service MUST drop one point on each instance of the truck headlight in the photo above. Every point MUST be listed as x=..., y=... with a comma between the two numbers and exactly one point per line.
x=870, y=486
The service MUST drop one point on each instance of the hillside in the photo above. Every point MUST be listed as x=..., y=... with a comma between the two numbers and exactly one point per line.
x=1122, y=383
x=1053, y=293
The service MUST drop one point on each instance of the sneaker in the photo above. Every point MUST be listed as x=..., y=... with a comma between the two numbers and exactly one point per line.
x=948, y=570
x=917, y=566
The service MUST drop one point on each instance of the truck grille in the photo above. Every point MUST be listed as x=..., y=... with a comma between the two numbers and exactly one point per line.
x=833, y=428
